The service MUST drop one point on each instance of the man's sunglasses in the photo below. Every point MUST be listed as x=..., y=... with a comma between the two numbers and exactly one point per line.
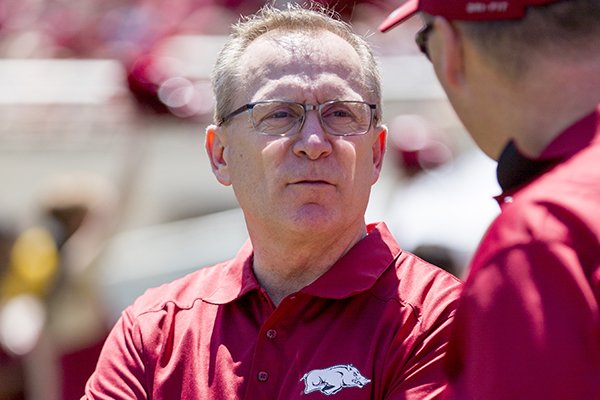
x=422, y=38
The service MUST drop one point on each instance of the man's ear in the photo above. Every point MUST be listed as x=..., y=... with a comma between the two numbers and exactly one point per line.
x=215, y=149
x=448, y=56
x=379, y=147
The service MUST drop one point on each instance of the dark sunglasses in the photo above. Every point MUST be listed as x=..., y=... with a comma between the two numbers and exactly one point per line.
x=422, y=38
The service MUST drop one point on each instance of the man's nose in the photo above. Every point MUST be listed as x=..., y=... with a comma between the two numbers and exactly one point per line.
x=312, y=139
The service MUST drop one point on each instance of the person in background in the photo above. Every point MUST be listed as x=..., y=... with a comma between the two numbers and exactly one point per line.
x=82, y=212
x=316, y=302
x=524, y=78
x=52, y=321
x=12, y=365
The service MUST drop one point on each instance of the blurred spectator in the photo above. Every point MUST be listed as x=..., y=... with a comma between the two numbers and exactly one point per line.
x=81, y=211
x=416, y=145
x=346, y=8
x=438, y=255
x=53, y=322
x=12, y=371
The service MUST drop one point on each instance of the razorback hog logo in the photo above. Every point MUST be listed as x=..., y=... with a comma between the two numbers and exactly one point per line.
x=333, y=379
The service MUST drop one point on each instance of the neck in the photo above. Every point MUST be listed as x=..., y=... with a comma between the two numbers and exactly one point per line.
x=284, y=265
x=551, y=100
x=566, y=95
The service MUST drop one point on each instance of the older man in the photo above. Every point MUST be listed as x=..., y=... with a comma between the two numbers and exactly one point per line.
x=317, y=303
x=524, y=77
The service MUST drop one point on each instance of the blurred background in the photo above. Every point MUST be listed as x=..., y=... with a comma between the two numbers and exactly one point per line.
x=106, y=189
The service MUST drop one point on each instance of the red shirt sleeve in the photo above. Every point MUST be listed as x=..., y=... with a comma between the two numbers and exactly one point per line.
x=120, y=373
x=416, y=361
x=527, y=328
x=425, y=379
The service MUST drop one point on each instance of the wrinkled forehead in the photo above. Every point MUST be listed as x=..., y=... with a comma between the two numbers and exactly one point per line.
x=294, y=65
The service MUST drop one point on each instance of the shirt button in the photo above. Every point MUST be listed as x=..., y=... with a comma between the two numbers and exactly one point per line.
x=508, y=199
x=263, y=376
x=271, y=333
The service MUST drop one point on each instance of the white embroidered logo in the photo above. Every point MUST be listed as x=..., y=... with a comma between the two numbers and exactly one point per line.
x=333, y=379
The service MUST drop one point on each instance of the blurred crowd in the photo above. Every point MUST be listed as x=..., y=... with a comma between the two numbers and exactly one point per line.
x=52, y=322
x=135, y=32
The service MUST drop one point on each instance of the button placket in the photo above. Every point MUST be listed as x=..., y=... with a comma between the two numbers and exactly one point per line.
x=271, y=334
x=271, y=338
x=262, y=376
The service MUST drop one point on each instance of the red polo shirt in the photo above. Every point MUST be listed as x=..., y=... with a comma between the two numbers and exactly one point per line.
x=373, y=327
x=528, y=324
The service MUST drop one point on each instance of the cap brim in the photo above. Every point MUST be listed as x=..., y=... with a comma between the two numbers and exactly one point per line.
x=400, y=14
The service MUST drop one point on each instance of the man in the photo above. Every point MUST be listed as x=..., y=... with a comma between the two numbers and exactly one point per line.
x=524, y=77
x=317, y=303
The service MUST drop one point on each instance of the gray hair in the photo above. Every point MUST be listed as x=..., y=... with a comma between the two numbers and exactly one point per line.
x=226, y=75
x=565, y=29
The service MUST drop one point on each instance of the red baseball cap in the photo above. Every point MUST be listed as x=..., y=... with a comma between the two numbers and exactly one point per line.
x=464, y=10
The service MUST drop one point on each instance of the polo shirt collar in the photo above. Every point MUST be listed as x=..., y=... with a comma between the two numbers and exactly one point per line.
x=515, y=169
x=355, y=272
x=235, y=278
x=359, y=269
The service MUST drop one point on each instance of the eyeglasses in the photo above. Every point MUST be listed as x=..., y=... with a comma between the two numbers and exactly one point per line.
x=422, y=38
x=286, y=118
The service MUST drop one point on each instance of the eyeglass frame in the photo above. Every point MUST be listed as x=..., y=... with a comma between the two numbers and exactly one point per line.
x=422, y=38
x=306, y=107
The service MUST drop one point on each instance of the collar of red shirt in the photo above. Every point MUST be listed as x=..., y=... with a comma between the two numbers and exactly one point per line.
x=356, y=271
x=515, y=169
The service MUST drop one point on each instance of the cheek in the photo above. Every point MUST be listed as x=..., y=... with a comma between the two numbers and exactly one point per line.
x=253, y=164
x=272, y=157
x=366, y=174
x=358, y=161
x=244, y=170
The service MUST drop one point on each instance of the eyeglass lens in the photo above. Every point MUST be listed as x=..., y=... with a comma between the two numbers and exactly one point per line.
x=286, y=118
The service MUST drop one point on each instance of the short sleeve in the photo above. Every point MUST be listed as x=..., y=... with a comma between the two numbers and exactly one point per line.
x=120, y=372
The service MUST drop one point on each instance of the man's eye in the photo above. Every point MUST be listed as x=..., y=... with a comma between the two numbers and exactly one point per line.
x=280, y=114
x=340, y=113
x=337, y=113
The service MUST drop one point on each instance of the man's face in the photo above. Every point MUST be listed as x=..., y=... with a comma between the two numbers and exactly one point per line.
x=309, y=182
